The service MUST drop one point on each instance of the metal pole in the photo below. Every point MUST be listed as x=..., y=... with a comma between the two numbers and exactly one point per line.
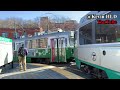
x=48, y=25
x=39, y=23
x=49, y=19
x=15, y=30
x=116, y=35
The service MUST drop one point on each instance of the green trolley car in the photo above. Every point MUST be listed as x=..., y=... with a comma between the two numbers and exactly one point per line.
x=48, y=48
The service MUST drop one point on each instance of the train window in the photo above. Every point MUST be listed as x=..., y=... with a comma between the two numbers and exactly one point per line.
x=54, y=43
x=65, y=41
x=87, y=41
x=62, y=42
x=59, y=42
x=33, y=43
x=30, y=44
x=71, y=41
x=43, y=42
x=38, y=43
x=81, y=40
x=75, y=38
x=85, y=34
x=108, y=33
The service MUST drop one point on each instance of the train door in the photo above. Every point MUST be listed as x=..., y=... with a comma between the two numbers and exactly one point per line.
x=62, y=51
x=54, y=50
x=58, y=52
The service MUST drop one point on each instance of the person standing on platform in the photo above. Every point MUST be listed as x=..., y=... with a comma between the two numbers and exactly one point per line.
x=22, y=53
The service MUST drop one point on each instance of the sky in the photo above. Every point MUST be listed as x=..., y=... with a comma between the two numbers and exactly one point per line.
x=26, y=15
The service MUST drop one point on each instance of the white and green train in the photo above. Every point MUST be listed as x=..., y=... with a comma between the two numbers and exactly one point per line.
x=98, y=44
x=48, y=48
x=6, y=51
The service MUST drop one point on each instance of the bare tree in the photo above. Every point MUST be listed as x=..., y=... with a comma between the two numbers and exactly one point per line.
x=50, y=23
x=59, y=19
x=37, y=22
x=71, y=25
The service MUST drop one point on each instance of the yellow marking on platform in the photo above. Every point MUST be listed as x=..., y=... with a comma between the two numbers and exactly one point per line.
x=67, y=74
x=43, y=65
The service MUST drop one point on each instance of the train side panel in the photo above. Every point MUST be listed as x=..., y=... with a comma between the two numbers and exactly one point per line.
x=110, y=59
x=6, y=51
x=89, y=54
x=107, y=59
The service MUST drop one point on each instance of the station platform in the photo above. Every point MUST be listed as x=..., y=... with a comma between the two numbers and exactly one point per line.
x=38, y=71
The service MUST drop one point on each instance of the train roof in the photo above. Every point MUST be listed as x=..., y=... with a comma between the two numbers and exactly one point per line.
x=5, y=39
x=45, y=35
x=84, y=20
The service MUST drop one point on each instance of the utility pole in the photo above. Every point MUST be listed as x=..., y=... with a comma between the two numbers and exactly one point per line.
x=48, y=21
x=24, y=32
x=48, y=25
x=15, y=30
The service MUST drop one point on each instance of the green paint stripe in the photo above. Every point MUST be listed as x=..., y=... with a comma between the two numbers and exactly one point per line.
x=5, y=39
x=69, y=53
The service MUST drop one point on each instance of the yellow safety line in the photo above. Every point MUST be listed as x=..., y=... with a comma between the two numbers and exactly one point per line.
x=67, y=74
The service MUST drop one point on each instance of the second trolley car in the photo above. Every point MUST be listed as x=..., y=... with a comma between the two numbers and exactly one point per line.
x=48, y=48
